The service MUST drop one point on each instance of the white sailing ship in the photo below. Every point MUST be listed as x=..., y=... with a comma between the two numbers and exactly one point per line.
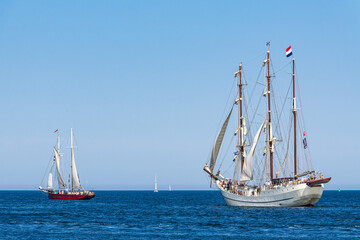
x=253, y=182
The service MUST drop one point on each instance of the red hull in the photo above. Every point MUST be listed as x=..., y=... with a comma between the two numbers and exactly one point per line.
x=318, y=181
x=70, y=196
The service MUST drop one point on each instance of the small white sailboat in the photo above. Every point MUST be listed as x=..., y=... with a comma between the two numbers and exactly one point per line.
x=253, y=182
x=156, y=188
x=169, y=187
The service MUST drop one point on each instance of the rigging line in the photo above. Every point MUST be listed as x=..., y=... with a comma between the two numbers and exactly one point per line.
x=272, y=68
x=253, y=90
x=258, y=163
x=52, y=159
x=275, y=97
x=283, y=67
x=249, y=105
x=278, y=129
x=276, y=114
x=299, y=96
x=257, y=107
x=249, y=134
x=302, y=112
x=289, y=169
x=288, y=146
x=308, y=160
x=227, y=101
x=253, y=59
x=226, y=171
x=264, y=170
x=256, y=82
x=222, y=116
x=227, y=150
x=282, y=109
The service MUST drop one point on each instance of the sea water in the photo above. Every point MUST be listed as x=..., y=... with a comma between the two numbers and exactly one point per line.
x=173, y=215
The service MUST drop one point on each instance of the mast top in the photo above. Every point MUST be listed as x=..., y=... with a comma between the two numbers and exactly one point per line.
x=71, y=138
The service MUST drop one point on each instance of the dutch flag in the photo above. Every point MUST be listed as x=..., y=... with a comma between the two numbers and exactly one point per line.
x=288, y=52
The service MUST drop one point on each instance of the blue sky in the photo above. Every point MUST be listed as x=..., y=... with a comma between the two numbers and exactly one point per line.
x=144, y=84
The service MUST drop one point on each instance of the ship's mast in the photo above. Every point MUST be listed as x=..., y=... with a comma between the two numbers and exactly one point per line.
x=269, y=115
x=294, y=111
x=58, y=142
x=58, y=146
x=240, y=129
x=241, y=135
x=72, y=150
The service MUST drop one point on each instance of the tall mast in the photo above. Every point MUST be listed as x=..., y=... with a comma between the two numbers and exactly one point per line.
x=240, y=129
x=71, y=138
x=269, y=115
x=294, y=111
x=72, y=151
x=58, y=142
x=241, y=135
x=58, y=146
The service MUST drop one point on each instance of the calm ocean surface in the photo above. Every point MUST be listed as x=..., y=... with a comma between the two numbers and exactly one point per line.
x=176, y=214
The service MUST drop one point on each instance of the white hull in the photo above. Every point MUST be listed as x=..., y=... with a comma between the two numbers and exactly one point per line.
x=291, y=196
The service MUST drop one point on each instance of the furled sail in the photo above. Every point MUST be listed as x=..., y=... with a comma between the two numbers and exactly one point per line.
x=74, y=174
x=244, y=130
x=50, y=181
x=57, y=159
x=218, y=142
x=247, y=173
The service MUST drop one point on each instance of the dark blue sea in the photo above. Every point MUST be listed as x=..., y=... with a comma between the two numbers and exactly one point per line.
x=173, y=215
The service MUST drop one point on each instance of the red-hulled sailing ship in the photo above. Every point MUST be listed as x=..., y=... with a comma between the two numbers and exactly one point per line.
x=63, y=193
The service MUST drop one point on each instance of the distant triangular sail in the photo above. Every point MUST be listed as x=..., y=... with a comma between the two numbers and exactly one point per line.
x=247, y=173
x=156, y=188
x=218, y=142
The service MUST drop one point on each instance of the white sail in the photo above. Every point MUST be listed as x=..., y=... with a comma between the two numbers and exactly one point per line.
x=74, y=174
x=50, y=181
x=59, y=177
x=156, y=189
x=244, y=130
x=247, y=173
x=218, y=142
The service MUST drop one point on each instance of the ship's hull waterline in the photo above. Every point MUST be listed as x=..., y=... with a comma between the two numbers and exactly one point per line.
x=57, y=196
x=293, y=196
